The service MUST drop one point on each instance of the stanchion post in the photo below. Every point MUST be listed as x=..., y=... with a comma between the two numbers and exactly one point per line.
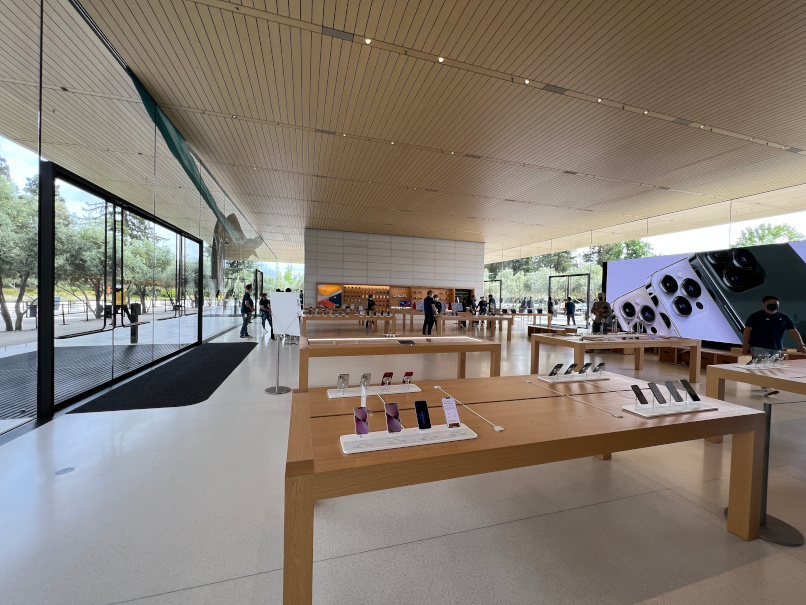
x=277, y=389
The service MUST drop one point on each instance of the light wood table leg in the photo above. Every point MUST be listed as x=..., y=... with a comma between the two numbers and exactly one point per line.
x=394, y=325
x=639, y=358
x=744, y=501
x=509, y=329
x=604, y=456
x=461, y=365
x=549, y=321
x=715, y=389
x=303, y=369
x=535, y=356
x=694, y=364
x=495, y=362
x=304, y=328
x=579, y=355
x=298, y=541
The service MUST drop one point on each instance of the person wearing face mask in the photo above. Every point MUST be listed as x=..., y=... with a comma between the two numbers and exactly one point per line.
x=601, y=311
x=764, y=332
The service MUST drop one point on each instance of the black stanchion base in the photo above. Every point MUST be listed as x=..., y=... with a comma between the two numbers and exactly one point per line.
x=779, y=532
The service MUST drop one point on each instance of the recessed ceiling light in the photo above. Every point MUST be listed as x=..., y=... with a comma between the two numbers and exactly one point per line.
x=701, y=126
x=344, y=135
x=441, y=59
x=451, y=152
x=393, y=142
x=234, y=117
x=598, y=100
x=646, y=112
x=368, y=40
x=526, y=81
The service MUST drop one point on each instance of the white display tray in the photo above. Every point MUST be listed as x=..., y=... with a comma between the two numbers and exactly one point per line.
x=384, y=440
x=668, y=409
x=393, y=389
x=748, y=368
x=561, y=378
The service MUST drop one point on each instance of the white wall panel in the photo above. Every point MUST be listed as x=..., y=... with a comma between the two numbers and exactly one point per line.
x=377, y=259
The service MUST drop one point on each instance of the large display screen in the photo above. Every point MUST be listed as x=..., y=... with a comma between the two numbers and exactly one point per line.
x=708, y=295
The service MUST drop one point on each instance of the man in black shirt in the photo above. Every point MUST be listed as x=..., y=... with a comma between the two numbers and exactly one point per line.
x=247, y=307
x=764, y=332
x=430, y=311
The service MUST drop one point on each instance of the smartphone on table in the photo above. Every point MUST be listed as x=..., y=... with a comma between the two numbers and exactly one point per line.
x=570, y=369
x=556, y=369
x=673, y=391
x=393, y=424
x=656, y=392
x=639, y=394
x=423, y=418
x=361, y=422
x=690, y=390
x=599, y=367
x=585, y=367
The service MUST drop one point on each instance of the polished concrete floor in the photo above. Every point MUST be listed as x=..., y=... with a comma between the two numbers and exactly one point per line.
x=185, y=505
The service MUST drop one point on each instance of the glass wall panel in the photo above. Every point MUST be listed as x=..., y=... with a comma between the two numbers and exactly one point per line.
x=19, y=183
x=88, y=231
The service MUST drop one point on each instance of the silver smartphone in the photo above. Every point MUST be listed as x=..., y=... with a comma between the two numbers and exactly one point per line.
x=343, y=381
x=365, y=379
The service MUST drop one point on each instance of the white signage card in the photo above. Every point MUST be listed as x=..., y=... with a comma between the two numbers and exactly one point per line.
x=285, y=312
x=451, y=414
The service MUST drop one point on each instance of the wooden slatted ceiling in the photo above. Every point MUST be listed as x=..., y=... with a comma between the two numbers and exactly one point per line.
x=729, y=64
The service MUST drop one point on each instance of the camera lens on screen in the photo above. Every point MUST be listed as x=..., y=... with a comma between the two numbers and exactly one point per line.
x=743, y=258
x=628, y=309
x=666, y=320
x=682, y=306
x=691, y=288
x=720, y=257
x=647, y=314
x=669, y=284
x=734, y=279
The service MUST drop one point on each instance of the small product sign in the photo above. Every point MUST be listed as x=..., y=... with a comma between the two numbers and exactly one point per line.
x=451, y=414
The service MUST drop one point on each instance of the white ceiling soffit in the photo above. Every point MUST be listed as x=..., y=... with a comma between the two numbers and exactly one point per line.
x=631, y=110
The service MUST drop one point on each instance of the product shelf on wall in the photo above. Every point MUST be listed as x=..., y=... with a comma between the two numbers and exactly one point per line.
x=387, y=297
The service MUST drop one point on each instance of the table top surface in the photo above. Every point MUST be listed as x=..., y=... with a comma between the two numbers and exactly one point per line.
x=383, y=342
x=353, y=316
x=466, y=390
x=542, y=423
x=615, y=340
x=794, y=372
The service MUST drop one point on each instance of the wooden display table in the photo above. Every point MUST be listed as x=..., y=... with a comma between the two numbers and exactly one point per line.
x=491, y=320
x=534, y=317
x=791, y=379
x=406, y=312
x=359, y=318
x=347, y=347
x=538, y=429
x=580, y=344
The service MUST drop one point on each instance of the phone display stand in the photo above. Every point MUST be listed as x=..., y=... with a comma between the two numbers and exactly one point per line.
x=384, y=440
x=393, y=389
x=575, y=377
x=670, y=408
x=760, y=366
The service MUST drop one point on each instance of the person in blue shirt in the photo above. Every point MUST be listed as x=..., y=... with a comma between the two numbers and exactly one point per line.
x=247, y=307
x=764, y=332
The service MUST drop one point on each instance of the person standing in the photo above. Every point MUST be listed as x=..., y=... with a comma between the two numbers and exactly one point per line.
x=570, y=309
x=764, y=332
x=430, y=311
x=551, y=307
x=493, y=304
x=601, y=314
x=265, y=312
x=437, y=304
x=370, y=308
x=247, y=307
x=530, y=304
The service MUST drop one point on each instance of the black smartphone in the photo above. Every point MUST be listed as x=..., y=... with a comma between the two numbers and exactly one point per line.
x=599, y=367
x=585, y=367
x=361, y=422
x=556, y=369
x=570, y=369
x=423, y=419
x=393, y=424
x=656, y=392
x=639, y=394
x=690, y=390
x=673, y=390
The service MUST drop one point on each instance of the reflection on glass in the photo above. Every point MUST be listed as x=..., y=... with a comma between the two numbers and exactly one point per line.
x=86, y=231
x=19, y=304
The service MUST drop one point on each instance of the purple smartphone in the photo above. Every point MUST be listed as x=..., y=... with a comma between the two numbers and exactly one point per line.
x=393, y=424
x=361, y=422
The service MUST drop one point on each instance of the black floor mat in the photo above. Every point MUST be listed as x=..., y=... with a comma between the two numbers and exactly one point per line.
x=188, y=379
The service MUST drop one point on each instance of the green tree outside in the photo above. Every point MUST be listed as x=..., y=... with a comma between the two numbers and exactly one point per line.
x=767, y=233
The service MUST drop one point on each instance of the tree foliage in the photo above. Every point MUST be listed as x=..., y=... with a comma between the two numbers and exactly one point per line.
x=767, y=233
